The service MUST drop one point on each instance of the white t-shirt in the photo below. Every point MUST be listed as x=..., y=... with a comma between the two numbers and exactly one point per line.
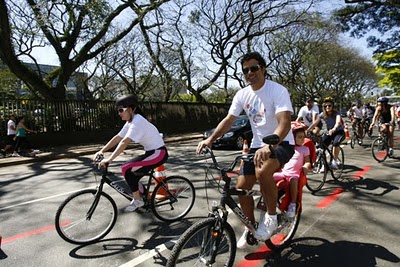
x=143, y=132
x=261, y=107
x=10, y=131
x=308, y=114
x=358, y=112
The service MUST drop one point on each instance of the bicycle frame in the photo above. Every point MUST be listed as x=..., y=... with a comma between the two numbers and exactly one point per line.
x=227, y=193
x=105, y=179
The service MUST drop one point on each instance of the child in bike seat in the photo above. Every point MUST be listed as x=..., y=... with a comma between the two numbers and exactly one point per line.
x=300, y=162
x=140, y=130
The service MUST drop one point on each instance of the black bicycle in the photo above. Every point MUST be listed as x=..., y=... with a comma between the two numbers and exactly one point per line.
x=380, y=146
x=356, y=138
x=322, y=165
x=90, y=214
x=212, y=242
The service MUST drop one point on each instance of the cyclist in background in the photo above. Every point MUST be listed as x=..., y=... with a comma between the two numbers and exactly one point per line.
x=334, y=125
x=268, y=106
x=385, y=113
x=140, y=130
x=359, y=115
x=369, y=113
x=308, y=113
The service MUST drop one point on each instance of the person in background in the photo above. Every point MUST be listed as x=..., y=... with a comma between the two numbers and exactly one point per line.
x=358, y=114
x=140, y=130
x=385, y=114
x=268, y=106
x=21, y=138
x=308, y=113
x=11, y=131
x=333, y=122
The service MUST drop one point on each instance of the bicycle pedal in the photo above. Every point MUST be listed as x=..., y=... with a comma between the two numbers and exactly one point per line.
x=251, y=240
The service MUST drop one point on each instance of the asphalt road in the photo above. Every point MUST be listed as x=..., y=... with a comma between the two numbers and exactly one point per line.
x=355, y=223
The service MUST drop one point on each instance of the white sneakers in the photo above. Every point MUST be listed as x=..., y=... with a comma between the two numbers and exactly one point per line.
x=291, y=212
x=134, y=205
x=242, y=242
x=334, y=164
x=267, y=227
x=15, y=154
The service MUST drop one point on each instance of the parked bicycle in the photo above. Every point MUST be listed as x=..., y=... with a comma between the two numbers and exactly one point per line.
x=380, y=146
x=322, y=165
x=90, y=214
x=212, y=242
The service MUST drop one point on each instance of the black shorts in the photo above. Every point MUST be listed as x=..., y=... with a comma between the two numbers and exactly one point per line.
x=283, y=152
x=335, y=139
x=10, y=139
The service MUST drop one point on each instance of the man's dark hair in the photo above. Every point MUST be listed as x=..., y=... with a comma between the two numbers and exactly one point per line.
x=254, y=55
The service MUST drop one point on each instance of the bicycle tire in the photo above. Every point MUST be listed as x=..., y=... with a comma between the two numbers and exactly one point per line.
x=353, y=141
x=287, y=228
x=72, y=223
x=317, y=176
x=173, y=198
x=379, y=149
x=338, y=172
x=197, y=243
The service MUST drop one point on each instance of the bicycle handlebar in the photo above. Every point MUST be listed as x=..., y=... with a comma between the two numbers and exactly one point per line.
x=244, y=157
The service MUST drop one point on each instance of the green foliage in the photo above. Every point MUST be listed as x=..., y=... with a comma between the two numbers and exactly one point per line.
x=389, y=66
x=371, y=18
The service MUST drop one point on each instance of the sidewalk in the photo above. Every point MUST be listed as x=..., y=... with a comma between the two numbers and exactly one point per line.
x=52, y=153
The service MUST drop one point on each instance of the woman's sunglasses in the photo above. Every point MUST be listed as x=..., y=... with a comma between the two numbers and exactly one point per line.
x=327, y=106
x=253, y=69
x=120, y=110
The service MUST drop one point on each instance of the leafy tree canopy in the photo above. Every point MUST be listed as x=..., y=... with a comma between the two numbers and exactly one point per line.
x=380, y=21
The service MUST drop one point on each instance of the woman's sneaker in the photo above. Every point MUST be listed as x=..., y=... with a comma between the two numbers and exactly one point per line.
x=242, y=242
x=134, y=205
x=291, y=212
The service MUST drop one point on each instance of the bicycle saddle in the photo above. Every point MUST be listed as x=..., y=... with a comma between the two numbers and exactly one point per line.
x=271, y=139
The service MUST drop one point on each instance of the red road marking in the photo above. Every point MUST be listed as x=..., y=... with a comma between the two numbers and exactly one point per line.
x=30, y=233
x=254, y=258
x=338, y=191
x=361, y=173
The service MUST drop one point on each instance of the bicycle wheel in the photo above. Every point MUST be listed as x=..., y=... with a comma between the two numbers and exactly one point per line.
x=316, y=178
x=285, y=232
x=380, y=149
x=353, y=140
x=197, y=245
x=173, y=198
x=76, y=225
x=337, y=173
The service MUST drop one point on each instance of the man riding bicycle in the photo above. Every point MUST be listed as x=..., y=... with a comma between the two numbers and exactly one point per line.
x=359, y=114
x=268, y=106
x=385, y=113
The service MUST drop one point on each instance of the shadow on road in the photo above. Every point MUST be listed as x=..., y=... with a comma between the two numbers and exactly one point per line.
x=317, y=252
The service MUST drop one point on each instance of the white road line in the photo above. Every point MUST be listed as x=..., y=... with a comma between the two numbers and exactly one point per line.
x=148, y=255
x=45, y=198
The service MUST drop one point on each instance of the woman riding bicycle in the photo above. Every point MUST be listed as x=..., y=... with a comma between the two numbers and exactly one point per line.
x=385, y=113
x=333, y=122
x=139, y=130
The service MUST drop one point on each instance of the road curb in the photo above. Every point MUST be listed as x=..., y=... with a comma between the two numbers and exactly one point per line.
x=77, y=151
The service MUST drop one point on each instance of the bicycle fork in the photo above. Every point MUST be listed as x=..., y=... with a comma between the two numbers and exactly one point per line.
x=95, y=201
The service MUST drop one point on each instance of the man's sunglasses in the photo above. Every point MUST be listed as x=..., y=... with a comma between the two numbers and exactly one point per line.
x=120, y=110
x=253, y=69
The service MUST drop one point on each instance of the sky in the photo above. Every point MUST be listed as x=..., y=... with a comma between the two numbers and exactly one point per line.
x=47, y=56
